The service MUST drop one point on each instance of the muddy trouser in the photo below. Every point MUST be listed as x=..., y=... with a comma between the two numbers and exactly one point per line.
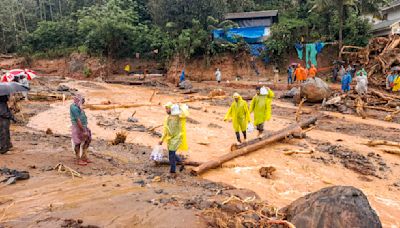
x=5, y=139
x=290, y=79
x=173, y=159
x=238, y=136
x=260, y=127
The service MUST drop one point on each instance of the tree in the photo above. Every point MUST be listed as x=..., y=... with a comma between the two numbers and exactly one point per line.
x=341, y=5
x=181, y=12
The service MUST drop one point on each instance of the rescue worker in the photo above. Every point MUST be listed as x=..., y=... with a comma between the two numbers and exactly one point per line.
x=313, y=71
x=346, y=80
x=240, y=116
x=174, y=133
x=261, y=106
x=301, y=73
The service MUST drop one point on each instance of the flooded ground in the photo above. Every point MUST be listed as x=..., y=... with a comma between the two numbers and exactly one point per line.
x=339, y=141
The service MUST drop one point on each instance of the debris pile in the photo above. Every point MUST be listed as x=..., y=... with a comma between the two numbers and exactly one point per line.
x=120, y=138
x=379, y=56
x=237, y=212
x=12, y=176
x=372, y=100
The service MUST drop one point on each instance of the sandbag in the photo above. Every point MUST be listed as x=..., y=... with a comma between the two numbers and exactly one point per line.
x=338, y=206
x=315, y=90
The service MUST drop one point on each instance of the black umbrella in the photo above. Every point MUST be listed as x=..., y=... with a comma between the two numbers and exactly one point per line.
x=8, y=88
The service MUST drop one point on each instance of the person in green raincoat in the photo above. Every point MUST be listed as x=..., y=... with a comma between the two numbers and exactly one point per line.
x=174, y=133
x=240, y=116
x=261, y=106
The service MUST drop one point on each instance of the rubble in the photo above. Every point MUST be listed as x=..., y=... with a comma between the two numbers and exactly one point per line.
x=378, y=57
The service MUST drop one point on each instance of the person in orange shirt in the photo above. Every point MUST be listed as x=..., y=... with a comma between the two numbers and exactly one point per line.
x=312, y=72
x=301, y=73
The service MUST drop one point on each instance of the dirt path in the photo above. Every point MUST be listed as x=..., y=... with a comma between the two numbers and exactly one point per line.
x=336, y=137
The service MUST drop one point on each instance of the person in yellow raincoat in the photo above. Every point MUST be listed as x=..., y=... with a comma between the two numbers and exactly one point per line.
x=174, y=133
x=261, y=106
x=396, y=84
x=127, y=69
x=240, y=116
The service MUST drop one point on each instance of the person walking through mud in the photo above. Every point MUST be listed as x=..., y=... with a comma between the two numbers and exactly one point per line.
x=174, y=134
x=240, y=116
x=5, y=117
x=81, y=134
x=261, y=106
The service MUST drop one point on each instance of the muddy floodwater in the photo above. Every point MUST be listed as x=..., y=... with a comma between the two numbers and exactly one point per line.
x=209, y=137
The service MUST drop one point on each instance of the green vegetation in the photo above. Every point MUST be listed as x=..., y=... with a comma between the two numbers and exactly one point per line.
x=163, y=28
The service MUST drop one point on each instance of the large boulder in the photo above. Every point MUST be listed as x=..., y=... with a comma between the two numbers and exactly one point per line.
x=338, y=206
x=315, y=90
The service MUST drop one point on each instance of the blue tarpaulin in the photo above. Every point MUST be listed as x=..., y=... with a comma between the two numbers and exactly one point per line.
x=250, y=35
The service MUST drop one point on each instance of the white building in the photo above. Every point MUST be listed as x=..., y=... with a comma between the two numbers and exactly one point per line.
x=391, y=20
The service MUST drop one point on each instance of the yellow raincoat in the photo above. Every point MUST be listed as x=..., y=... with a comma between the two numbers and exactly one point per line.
x=127, y=68
x=174, y=132
x=261, y=106
x=239, y=114
x=396, y=83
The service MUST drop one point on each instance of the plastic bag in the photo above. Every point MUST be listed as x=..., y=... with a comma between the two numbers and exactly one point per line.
x=250, y=128
x=157, y=153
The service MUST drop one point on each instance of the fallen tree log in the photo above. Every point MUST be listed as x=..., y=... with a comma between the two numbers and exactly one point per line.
x=389, y=118
x=253, y=147
x=298, y=152
x=380, y=108
x=126, y=82
x=194, y=99
x=302, y=124
x=115, y=106
x=374, y=143
x=43, y=96
x=188, y=163
x=392, y=151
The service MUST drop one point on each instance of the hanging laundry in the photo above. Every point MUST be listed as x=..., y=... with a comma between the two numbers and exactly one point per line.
x=319, y=46
x=299, y=48
x=311, y=55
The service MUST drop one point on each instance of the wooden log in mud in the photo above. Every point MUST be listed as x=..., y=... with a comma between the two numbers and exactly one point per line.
x=44, y=96
x=254, y=146
x=194, y=99
x=392, y=151
x=126, y=82
x=303, y=124
x=188, y=163
x=374, y=143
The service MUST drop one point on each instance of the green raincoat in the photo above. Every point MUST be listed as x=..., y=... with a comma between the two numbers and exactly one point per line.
x=261, y=106
x=239, y=114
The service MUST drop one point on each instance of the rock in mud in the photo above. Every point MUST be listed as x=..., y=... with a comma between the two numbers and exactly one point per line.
x=339, y=206
x=63, y=88
x=315, y=90
x=267, y=171
x=291, y=93
x=185, y=85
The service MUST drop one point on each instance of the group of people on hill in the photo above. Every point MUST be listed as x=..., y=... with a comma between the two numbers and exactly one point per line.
x=300, y=74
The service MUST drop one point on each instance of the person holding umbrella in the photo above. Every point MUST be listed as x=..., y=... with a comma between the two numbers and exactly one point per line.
x=6, y=116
